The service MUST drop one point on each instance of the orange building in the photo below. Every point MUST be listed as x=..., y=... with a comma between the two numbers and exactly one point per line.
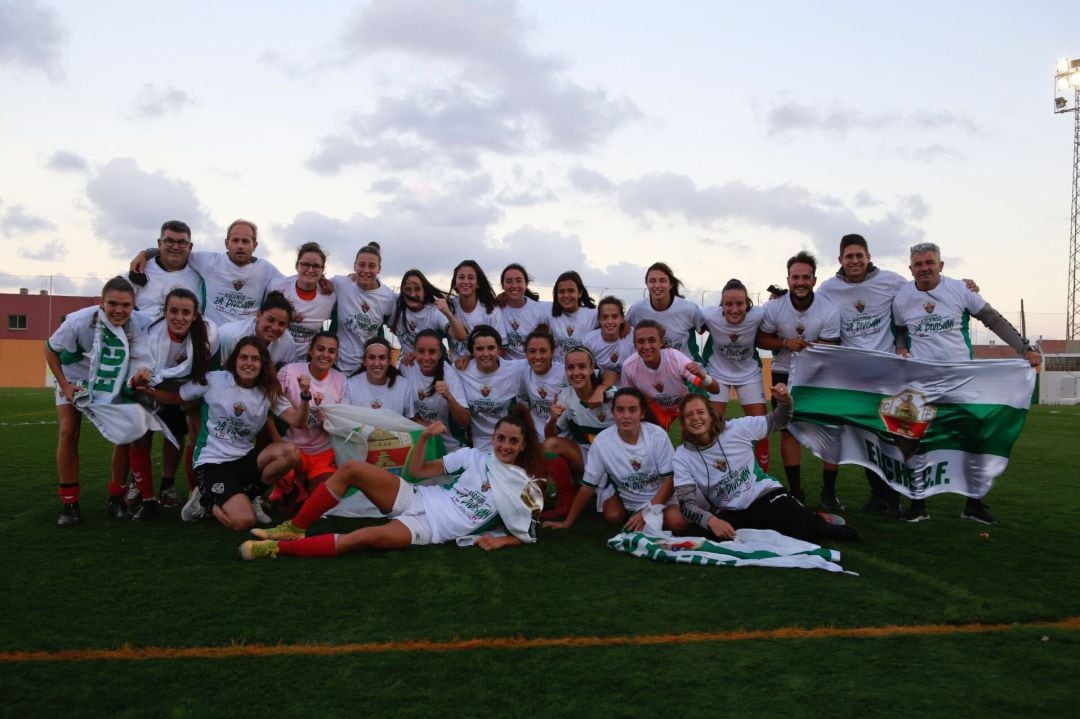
x=29, y=320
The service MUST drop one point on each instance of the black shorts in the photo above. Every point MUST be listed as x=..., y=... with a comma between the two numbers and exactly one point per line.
x=220, y=482
x=778, y=378
x=174, y=418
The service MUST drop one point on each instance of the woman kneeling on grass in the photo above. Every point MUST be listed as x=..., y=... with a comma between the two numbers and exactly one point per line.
x=230, y=471
x=716, y=459
x=495, y=485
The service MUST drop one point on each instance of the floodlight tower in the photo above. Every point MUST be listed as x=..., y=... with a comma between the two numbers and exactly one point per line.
x=1067, y=99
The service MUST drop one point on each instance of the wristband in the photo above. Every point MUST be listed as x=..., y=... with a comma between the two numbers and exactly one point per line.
x=305, y=397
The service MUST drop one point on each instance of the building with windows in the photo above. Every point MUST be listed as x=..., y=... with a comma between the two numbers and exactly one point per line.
x=26, y=321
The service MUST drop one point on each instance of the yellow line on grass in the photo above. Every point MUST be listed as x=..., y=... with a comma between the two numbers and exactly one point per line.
x=128, y=653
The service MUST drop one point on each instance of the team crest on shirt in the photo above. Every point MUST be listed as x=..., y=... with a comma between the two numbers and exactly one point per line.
x=486, y=486
x=515, y=324
x=614, y=356
x=601, y=415
x=318, y=397
x=570, y=331
x=237, y=284
x=365, y=307
x=376, y=404
x=658, y=386
x=929, y=306
x=721, y=464
x=543, y=393
x=635, y=463
x=860, y=305
x=485, y=390
x=800, y=328
x=181, y=358
x=239, y=408
x=412, y=326
x=297, y=317
x=734, y=336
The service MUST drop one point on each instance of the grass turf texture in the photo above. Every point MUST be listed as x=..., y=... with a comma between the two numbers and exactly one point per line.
x=165, y=584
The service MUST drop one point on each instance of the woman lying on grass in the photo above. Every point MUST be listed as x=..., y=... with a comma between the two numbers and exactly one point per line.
x=717, y=459
x=495, y=485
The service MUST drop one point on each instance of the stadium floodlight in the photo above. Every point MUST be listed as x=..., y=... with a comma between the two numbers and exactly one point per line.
x=1067, y=99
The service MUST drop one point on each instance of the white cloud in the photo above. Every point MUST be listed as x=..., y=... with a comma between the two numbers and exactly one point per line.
x=592, y=181
x=485, y=90
x=934, y=152
x=130, y=204
x=31, y=36
x=67, y=161
x=839, y=120
x=821, y=219
x=152, y=103
x=17, y=221
x=50, y=251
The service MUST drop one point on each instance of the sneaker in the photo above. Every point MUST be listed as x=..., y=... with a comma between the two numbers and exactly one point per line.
x=799, y=494
x=133, y=497
x=285, y=530
x=261, y=516
x=147, y=511
x=831, y=503
x=193, y=509
x=257, y=550
x=117, y=509
x=976, y=511
x=170, y=497
x=69, y=515
x=916, y=512
x=834, y=519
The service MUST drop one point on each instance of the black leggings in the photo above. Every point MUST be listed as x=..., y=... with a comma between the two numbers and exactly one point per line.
x=779, y=511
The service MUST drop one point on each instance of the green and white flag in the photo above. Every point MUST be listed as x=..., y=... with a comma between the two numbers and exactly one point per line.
x=925, y=427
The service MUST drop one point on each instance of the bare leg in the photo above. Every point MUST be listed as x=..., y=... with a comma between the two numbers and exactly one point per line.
x=236, y=513
x=392, y=535
x=614, y=511
x=674, y=521
x=380, y=486
x=277, y=460
x=69, y=420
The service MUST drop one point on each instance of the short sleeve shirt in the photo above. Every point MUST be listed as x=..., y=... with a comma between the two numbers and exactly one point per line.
x=636, y=471
x=865, y=308
x=233, y=292
x=725, y=472
x=733, y=359
x=231, y=417
x=938, y=320
x=819, y=321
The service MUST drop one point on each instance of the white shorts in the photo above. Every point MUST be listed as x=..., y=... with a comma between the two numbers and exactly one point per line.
x=753, y=393
x=60, y=399
x=607, y=491
x=409, y=510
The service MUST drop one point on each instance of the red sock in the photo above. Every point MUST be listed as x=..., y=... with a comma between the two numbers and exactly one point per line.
x=115, y=488
x=189, y=461
x=761, y=451
x=322, y=545
x=320, y=501
x=69, y=492
x=142, y=470
x=559, y=475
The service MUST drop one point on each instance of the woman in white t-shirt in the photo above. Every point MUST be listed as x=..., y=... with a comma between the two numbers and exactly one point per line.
x=733, y=360
x=312, y=306
x=680, y=317
x=716, y=461
x=573, y=314
x=376, y=384
x=476, y=304
x=364, y=305
x=612, y=342
x=628, y=468
x=522, y=310
x=493, y=486
x=231, y=472
x=422, y=306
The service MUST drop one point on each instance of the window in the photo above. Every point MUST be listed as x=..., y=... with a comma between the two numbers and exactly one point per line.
x=16, y=322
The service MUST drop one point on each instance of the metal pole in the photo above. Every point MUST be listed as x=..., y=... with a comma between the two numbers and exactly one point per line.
x=1072, y=300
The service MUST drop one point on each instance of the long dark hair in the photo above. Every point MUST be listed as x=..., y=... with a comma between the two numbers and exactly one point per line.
x=584, y=300
x=531, y=294
x=715, y=428
x=267, y=380
x=440, y=366
x=531, y=457
x=485, y=295
x=200, y=337
x=431, y=293
x=391, y=371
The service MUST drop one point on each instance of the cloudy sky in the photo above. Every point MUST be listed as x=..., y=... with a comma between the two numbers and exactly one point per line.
x=721, y=137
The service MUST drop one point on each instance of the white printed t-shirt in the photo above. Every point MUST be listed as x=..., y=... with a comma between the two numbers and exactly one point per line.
x=570, y=330
x=282, y=350
x=609, y=356
x=309, y=316
x=819, y=321
x=478, y=316
x=733, y=360
x=150, y=298
x=635, y=471
x=488, y=396
x=233, y=292
x=358, y=316
x=463, y=506
x=231, y=417
x=519, y=322
x=359, y=392
x=680, y=321
x=665, y=384
x=865, y=308
x=725, y=472
x=937, y=320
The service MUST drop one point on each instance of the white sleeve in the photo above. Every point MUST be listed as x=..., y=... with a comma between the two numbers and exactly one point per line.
x=665, y=453
x=595, y=474
x=457, y=460
x=193, y=390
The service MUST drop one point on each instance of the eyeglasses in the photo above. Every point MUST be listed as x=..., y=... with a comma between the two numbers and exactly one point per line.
x=308, y=266
x=172, y=242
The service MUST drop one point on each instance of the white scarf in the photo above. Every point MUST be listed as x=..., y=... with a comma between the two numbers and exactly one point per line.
x=517, y=498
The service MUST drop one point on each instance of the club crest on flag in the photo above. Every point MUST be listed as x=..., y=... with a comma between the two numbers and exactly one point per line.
x=237, y=284
x=485, y=390
x=907, y=415
x=860, y=305
x=929, y=307
x=239, y=408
